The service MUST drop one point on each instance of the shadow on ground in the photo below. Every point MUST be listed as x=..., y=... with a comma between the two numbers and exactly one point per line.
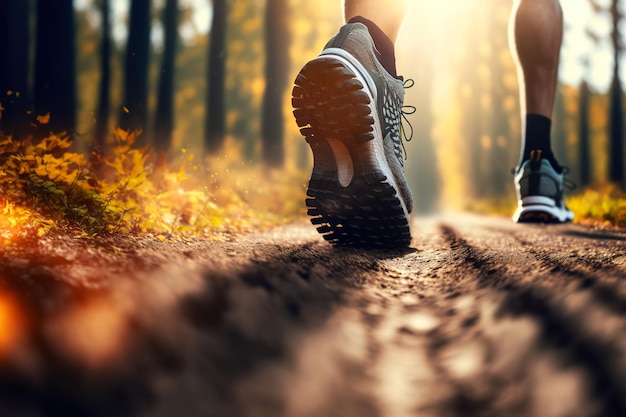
x=135, y=346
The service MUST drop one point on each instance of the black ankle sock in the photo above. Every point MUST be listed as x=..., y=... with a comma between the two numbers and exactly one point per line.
x=384, y=45
x=537, y=138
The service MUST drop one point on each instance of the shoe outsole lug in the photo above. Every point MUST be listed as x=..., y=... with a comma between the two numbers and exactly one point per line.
x=368, y=212
x=540, y=217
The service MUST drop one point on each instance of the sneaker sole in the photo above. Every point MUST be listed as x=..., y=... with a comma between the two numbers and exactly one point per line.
x=353, y=199
x=541, y=210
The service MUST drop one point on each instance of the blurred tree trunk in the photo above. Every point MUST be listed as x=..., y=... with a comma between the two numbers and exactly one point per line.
x=559, y=135
x=164, y=122
x=215, y=128
x=4, y=59
x=55, y=73
x=472, y=129
x=473, y=121
x=134, y=113
x=499, y=130
x=4, y=45
x=14, y=65
x=584, y=157
x=104, y=95
x=423, y=167
x=276, y=73
x=616, y=111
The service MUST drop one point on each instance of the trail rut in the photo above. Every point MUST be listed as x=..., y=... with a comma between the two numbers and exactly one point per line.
x=480, y=317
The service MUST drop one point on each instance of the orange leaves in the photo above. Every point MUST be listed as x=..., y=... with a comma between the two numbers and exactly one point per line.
x=13, y=219
x=606, y=204
x=43, y=119
x=46, y=187
x=131, y=164
x=50, y=159
x=124, y=139
x=40, y=180
x=12, y=324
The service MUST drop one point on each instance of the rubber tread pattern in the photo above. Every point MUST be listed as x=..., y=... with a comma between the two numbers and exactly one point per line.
x=539, y=216
x=329, y=101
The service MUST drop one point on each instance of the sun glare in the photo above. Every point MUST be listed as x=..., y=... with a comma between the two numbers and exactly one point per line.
x=92, y=333
x=433, y=30
x=11, y=324
x=12, y=219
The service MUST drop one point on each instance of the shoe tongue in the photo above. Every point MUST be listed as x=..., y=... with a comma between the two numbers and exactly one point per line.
x=537, y=155
x=555, y=165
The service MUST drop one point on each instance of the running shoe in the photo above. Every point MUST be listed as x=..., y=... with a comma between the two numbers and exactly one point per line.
x=540, y=192
x=349, y=109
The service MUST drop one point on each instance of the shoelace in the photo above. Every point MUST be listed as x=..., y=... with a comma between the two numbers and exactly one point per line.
x=406, y=110
x=567, y=183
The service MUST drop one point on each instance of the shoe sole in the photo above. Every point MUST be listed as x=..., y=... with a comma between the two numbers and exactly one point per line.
x=538, y=209
x=353, y=199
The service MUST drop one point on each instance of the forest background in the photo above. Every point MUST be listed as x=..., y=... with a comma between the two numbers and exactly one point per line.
x=205, y=85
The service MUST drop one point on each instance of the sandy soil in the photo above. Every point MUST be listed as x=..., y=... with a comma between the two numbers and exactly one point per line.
x=479, y=317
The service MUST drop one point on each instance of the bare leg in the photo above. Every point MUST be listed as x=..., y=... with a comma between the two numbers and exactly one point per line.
x=536, y=33
x=383, y=20
x=388, y=15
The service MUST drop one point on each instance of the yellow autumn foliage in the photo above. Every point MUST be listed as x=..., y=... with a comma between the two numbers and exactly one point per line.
x=46, y=187
x=604, y=204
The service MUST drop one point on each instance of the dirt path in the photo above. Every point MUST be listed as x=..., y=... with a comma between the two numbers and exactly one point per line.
x=480, y=318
